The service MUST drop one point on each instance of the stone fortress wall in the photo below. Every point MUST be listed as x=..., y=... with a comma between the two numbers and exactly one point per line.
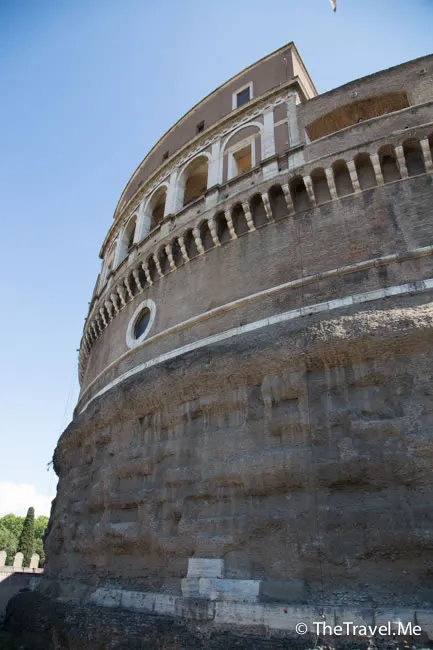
x=256, y=363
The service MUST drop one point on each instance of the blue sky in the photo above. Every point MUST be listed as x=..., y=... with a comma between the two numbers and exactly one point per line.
x=87, y=87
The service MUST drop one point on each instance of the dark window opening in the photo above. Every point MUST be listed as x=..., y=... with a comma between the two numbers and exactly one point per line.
x=165, y=155
x=141, y=323
x=243, y=97
x=200, y=127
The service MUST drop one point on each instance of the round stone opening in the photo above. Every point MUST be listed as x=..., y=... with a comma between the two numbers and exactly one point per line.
x=142, y=322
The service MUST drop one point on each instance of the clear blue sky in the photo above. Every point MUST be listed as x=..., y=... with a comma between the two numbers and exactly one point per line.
x=87, y=87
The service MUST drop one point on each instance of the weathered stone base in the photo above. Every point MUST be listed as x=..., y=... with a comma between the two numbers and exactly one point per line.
x=35, y=622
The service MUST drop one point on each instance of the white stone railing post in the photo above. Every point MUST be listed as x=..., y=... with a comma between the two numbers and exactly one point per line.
x=329, y=173
x=137, y=279
x=248, y=216
x=377, y=168
x=401, y=161
x=309, y=187
x=158, y=265
x=428, y=161
x=198, y=241
x=288, y=198
x=267, y=206
x=114, y=302
x=353, y=176
x=183, y=249
x=228, y=218
x=169, y=253
x=145, y=268
x=128, y=287
x=121, y=291
x=213, y=232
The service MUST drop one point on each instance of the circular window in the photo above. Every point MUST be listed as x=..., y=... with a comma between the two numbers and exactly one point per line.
x=140, y=323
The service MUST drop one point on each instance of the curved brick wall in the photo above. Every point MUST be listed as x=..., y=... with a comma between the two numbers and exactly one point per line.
x=268, y=441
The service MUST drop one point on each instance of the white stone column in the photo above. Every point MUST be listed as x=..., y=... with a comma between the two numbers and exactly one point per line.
x=401, y=161
x=377, y=168
x=267, y=206
x=145, y=268
x=288, y=197
x=104, y=320
x=137, y=279
x=109, y=309
x=248, y=216
x=169, y=252
x=294, y=137
x=268, y=134
x=353, y=176
x=198, y=241
x=228, y=218
x=128, y=287
x=121, y=292
x=213, y=232
x=114, y=302
x=158, y=265
x=143, y=223
x=329, y=172
x=428, y=162
x=173, y=201
x=309, y=187
x=215, y=168
x=183, y=249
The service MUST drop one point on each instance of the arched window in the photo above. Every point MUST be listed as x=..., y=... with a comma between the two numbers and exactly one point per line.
x=156, y=207
x=163, y=260
x=299, y=194
x=152, y=269
x=240, y=224
x=278, y=202
x=365, y=171
x=414, y=157
x=258, y=211
x=223, y=232
x=108, y=265
x=193, y=181
x=320, y=186
x=388, y=164
x=343, y=183
x=206, y=236
x=127, y=239
x=176, y=252
x=242, y=151
x=190, y=245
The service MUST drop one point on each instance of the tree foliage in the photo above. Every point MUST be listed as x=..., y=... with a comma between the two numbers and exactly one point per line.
x=26, y=542
x=41, y=523
x=8, y=543
x=39, y=549
x=11, y=528
x=13, y=523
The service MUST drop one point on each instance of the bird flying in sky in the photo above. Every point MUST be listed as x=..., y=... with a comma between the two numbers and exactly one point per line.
x=334, y=4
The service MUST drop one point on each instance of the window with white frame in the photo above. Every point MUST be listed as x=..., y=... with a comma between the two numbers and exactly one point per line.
x=242, y=157
x=242, y=95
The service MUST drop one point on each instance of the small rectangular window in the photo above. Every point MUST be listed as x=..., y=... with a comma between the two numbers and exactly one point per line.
x=200, y=126
x=243, y=97
x=243, y=160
